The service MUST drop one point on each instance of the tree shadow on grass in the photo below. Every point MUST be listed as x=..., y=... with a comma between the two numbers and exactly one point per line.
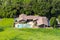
x=1, y=29
x=16, y=38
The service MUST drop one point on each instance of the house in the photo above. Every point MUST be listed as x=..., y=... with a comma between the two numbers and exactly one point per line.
x=32, y=21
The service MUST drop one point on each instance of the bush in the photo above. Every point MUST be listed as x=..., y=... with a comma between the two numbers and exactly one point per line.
x=53, y=22
x=59, y=18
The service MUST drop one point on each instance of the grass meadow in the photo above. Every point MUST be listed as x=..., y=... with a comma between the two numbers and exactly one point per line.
x=8, y=32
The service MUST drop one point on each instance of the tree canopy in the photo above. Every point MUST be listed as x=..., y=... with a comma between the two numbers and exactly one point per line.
x=12, y=8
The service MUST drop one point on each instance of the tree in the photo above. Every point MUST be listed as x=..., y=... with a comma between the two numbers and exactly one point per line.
x=48, y=8
x=56, y=8
x=53, y=22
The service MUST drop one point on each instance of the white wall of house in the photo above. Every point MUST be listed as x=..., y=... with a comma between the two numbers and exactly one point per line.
x=58, y=21
x=23, y=26
x=31, y=23
x=16, y=25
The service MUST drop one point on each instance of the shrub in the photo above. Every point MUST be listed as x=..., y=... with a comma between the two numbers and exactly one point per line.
x=59, y=18
x=53, y=22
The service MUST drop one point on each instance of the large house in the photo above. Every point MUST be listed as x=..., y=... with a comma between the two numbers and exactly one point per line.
x=31, y=21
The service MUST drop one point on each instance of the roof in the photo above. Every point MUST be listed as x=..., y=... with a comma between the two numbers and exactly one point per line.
x=22, y=17
x=40, y=20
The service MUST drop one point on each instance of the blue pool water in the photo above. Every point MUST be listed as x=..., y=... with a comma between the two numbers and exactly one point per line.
x=23, y=26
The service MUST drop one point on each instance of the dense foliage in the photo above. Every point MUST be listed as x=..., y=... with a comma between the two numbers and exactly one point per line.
x=12, y=8
x=53, y=22
x=59, y=18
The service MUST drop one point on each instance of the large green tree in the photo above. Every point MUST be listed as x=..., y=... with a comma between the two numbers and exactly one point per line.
x=48, y=8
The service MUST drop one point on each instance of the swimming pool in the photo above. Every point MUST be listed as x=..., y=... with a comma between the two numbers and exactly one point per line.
x=23, y=26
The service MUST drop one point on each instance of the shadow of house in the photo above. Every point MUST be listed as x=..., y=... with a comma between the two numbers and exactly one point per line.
x=34, y=21
x=43, y=25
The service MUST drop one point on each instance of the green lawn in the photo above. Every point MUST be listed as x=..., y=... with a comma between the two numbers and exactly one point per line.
x=30, y=34
x=10, y=33
x=6, y=22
